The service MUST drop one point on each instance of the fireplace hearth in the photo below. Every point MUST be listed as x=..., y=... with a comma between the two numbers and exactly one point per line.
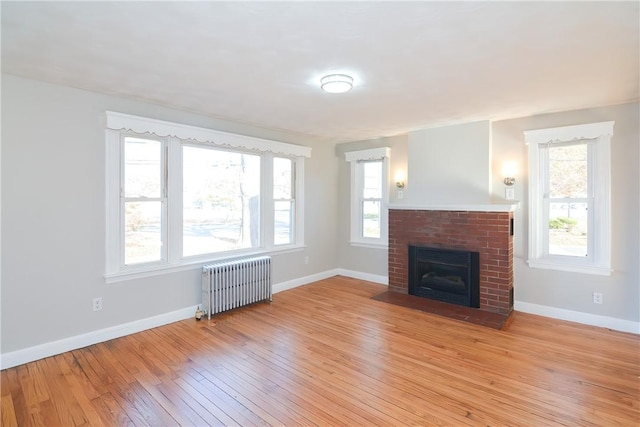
x=451, y=276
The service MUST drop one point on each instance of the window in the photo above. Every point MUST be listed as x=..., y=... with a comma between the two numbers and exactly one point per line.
x=221, y=200
x=566, y=201
x=144, y=201
x=371, y=199
x=369, y=196
x=284, y=201
x=180, y=196
x=569, y=206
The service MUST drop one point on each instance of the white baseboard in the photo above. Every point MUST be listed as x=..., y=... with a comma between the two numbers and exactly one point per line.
x=383, y=280
x=579, y=317
x=19, y=357
x=279, y=287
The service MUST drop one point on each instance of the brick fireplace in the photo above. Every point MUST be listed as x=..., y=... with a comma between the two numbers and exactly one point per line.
x=486, y=232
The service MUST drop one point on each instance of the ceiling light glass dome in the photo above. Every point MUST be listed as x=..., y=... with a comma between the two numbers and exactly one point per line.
x=336, y=83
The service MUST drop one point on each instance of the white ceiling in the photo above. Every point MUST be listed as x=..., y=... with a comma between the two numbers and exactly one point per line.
x=415, y=64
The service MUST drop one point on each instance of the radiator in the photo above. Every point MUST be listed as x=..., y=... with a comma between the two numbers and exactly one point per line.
x=231, y=284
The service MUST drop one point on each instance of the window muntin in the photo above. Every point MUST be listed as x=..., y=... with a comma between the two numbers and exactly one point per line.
x=221, y=200
x=569, y=203
x=143, y=201
x=284, y=201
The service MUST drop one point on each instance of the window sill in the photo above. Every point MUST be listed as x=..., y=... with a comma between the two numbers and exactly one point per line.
x=192, y=264
x=369, y=245
x=574, y=268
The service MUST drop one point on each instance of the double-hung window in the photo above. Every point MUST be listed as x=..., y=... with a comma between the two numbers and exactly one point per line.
x=284, y=206
x=569, y=205
x=143, y=200
x=179, y=196
x=369, y=196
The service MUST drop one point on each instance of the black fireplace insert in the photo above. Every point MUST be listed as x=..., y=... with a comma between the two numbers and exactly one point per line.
x=445, y=275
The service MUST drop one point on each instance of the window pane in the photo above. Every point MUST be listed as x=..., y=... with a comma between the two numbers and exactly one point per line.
x=143, y=232
x=371, y=219
x=568, y=171
x=142, y=170
x=221, y=200
x=282, y=188
x=372, y=180
x=568, y=229
x=283, y=221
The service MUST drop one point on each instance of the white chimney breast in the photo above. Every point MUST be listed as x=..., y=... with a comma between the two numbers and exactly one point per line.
x=449, y=165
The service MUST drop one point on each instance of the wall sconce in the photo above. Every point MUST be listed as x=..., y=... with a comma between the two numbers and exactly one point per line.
x=509, y=171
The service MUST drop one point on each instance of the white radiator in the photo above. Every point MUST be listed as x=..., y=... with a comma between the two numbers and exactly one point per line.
x=231, y=284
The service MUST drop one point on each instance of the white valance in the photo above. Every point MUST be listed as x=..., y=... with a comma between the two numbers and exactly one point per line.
x=137, y=124
x=369, y=154
x=569, y=133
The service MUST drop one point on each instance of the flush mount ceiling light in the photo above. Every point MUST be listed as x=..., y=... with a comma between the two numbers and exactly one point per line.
x=336, y=83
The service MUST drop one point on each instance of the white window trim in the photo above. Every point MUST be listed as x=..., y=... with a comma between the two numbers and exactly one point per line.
x=599, y=263
x=142, y=125
x=354, y=157
x=174, y=135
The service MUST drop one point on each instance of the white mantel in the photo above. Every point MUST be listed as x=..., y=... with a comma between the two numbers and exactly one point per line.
x=507, y=206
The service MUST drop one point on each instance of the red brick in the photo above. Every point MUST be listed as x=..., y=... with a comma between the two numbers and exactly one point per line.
x=483, y=232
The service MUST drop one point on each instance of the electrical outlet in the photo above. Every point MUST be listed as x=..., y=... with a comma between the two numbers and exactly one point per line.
x=597, y=297
x=97, y=304
x=306, y=260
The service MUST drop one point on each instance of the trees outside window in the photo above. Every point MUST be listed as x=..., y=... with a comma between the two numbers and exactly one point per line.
x=221, y=200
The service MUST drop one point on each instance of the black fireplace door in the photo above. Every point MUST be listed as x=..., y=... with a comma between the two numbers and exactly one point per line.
x=445, y=275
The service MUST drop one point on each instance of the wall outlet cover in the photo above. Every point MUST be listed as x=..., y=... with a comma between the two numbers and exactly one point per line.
x=510, y=193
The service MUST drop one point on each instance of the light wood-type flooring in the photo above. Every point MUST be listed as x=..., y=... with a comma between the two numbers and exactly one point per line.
x=327, y=354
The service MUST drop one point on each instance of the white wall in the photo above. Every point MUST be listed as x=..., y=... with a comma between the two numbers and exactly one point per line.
x=53, y=201
x=449, y=164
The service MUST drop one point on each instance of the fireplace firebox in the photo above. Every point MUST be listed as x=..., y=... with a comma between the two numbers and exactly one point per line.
x=446, y=275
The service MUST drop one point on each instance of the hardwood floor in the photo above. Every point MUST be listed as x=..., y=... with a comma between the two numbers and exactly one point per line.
x=327, y=354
